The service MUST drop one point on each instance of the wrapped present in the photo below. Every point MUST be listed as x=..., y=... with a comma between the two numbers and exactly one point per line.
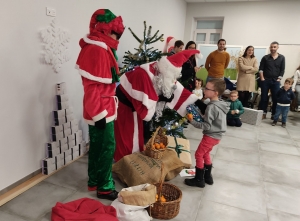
x=251, y=116
x=182, y=148
x=194, y=110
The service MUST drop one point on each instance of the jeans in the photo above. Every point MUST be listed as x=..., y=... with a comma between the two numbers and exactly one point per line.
x=297, y=90
x=283, y=110
x=266, y=85
x=234, y=122
x=202, y=153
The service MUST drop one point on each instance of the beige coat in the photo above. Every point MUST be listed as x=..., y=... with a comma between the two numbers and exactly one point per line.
x=246, y=75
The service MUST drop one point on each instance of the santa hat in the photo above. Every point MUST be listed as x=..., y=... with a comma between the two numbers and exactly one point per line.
x=169, y=44
x=105, y=21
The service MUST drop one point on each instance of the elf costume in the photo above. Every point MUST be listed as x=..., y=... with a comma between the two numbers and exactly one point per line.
x=140, y=92
x=98, y=69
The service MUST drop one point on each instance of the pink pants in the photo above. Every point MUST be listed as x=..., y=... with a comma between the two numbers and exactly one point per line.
x=202, y=153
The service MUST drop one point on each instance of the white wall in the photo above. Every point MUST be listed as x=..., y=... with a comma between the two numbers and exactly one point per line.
x=254, y=23
x=27, y=84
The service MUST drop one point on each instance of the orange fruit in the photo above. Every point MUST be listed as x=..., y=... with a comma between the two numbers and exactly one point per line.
x=189, y=116
x=163, y=199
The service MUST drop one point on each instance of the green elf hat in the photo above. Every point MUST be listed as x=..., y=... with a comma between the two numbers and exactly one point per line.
x=105, y=21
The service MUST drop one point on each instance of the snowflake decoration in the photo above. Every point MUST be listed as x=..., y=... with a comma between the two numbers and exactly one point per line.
x=56, y=45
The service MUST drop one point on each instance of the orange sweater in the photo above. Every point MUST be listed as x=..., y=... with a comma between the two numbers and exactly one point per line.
x=216, y=62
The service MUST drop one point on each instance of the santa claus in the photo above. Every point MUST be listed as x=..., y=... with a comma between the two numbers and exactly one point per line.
x=141, y=91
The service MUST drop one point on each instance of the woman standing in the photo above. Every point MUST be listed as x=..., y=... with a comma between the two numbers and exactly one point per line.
x=248, y=66
x=189, y=69
x=296, y=86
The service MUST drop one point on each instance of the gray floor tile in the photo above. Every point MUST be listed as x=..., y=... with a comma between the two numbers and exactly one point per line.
x=280, y=160
x=294, y=134
x=194, y=134
x=239, y=143
x=280, y=175
x=241, y=133
x=210, y=211
x=241, y=195
x=275, y=215
x=9, y=217
x=37, y=201
x=274, y=130
x=73, y=176
x=47, y=217
x=83, y=159
x=275, y=138
x=235, y=155
x=283, y=198
x=237, y=171
x=194, y=143
x=278, y=148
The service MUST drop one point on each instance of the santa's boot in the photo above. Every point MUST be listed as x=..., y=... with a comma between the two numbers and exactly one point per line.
x=198, y=181
x=207, y=175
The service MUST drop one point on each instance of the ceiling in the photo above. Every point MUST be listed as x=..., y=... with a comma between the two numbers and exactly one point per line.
x=231, y=0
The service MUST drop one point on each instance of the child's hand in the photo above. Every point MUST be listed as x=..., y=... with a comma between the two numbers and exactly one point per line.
x=233, y=112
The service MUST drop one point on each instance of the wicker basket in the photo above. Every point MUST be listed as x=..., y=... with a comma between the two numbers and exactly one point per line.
x=169, y=209
x=157, y=137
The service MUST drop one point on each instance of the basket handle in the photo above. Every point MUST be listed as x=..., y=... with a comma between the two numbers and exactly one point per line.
x=154, y=135
x=160, y=181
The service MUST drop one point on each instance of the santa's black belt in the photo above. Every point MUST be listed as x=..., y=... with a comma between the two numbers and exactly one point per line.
x=122, y=98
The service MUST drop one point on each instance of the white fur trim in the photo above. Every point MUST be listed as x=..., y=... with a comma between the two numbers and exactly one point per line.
x=138, y=95
x=146, y=67
x=92, y=42
x=100, y=115
x=135, y=141
x=89, y=76
x=89, y=122
x=166, y=68
x=191, y=99
x=177, y=94
x=150, y=114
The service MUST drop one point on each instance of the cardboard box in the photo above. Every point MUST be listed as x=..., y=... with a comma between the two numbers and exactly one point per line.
x=69, y=111
x=251, y=116
x=70, y=117
x=48, y=166
x=57, y=129
x=59, y=121
x=67, y=132
x=78, y=137
x=72, y=143
x=185, y=155
x=61, y=88
x=63, y=142
x=59, y=113
x=59, y=160
x=66, y=126
x=58, y=136
x=68, y=156
x=62, y=98
x=74, y=123
x=64, y=148
x=75, y=152
x=53, y=149
x=74, y=129
x=82, y=148
x=63, y=105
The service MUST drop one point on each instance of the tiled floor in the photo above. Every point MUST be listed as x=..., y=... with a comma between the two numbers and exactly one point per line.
x=256, y=173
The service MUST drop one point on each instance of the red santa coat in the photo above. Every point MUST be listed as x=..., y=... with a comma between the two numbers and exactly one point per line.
x=82, y=210
x=99, y=99
x=138, y=88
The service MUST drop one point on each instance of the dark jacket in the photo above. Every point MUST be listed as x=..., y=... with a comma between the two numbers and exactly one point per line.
x=285, y=97
x=235, y=105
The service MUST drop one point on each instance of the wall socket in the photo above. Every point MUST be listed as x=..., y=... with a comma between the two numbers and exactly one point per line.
x=50, y=12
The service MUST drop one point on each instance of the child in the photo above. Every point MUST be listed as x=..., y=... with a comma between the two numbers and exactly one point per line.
x=235, y=110
x=284, y=97
x=198, y=88
x=214, y=125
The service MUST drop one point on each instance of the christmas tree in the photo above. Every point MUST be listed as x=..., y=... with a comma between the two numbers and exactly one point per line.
x=169, y=119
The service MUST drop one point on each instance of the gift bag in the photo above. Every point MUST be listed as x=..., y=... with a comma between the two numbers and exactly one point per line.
x=194, y=110
x=141, y=195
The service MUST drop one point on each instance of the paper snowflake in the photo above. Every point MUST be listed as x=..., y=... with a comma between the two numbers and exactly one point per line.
x=56, y=45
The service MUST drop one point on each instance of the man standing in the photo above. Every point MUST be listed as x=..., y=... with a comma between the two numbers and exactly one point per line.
x=271, y=71
x=217, y=61
x=98, y=69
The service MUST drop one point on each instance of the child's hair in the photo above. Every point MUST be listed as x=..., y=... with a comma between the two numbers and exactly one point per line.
x=289, y=80
x=234, y=92
x=298, y=68
x=219, y=85
x=200, y=80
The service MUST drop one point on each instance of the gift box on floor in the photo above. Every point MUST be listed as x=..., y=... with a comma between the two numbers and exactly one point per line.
x=82, y=148
x=182, y=148
x=68, y=156
x=75, y=152
x=61, y=88
x=59, y=113
x=59, y=160
x=53, y=149
x=251, y=116
x=48, y=166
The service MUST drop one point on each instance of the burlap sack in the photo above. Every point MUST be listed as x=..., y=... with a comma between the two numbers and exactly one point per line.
x=137, y=168
x=141, y=195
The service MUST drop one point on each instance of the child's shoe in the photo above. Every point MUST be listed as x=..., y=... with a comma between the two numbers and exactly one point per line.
x=283, y=125
x=207, y=175
x=274, y=123
x=198, y=181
